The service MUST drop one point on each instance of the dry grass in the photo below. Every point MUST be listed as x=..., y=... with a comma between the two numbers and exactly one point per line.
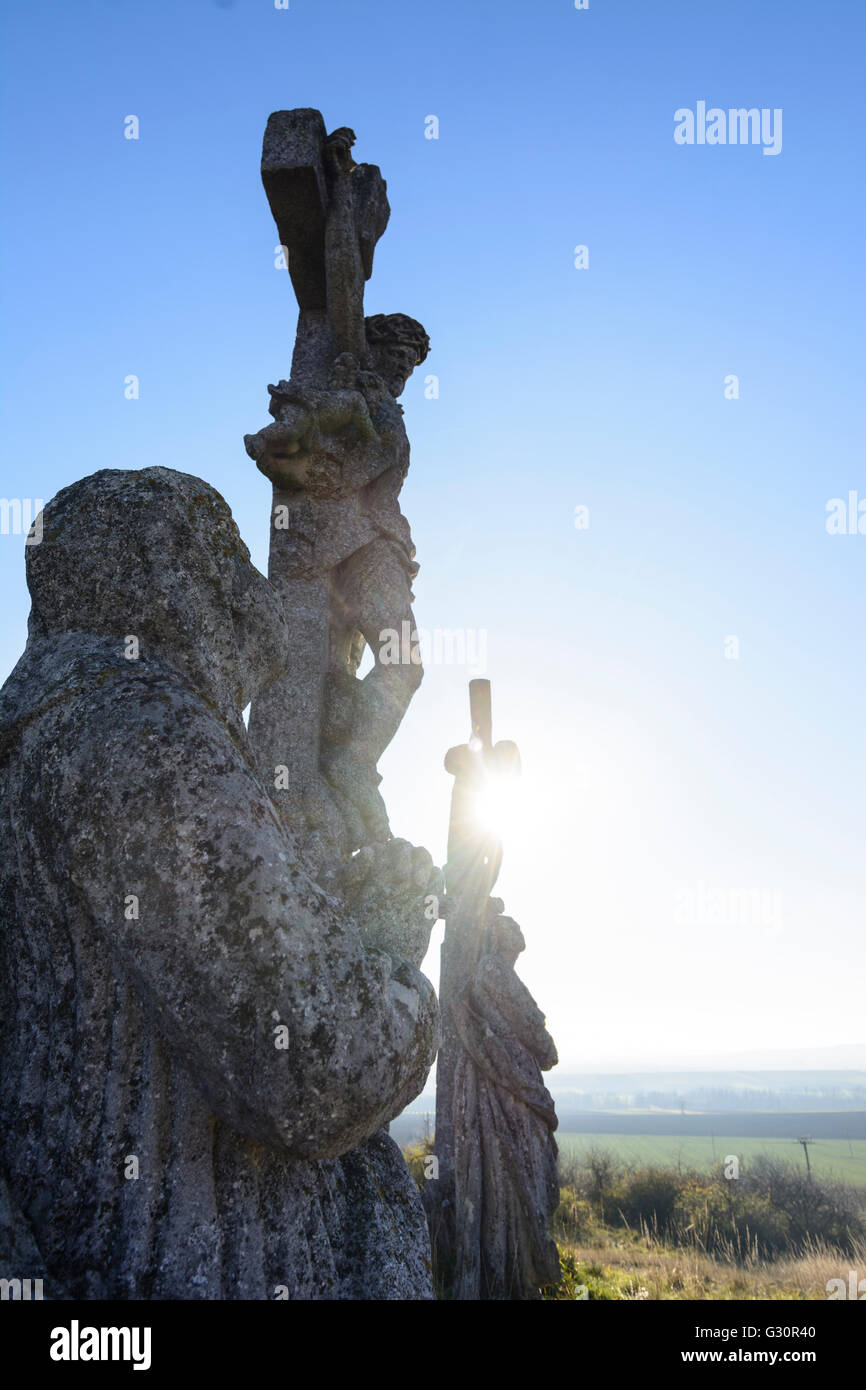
x=814, y=1269
x=633, y=1266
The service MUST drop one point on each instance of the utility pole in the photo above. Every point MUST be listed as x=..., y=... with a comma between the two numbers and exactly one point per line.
x=806, y=1141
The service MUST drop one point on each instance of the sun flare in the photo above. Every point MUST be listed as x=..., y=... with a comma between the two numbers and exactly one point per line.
x=498, y=805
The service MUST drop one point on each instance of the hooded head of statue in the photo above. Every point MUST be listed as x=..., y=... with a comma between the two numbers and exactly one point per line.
x=152, y=563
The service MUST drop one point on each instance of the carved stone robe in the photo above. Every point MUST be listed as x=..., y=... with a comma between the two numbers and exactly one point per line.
x=506, y=1175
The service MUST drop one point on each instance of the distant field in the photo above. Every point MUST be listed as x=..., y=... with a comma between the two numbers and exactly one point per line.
x=838, y=1158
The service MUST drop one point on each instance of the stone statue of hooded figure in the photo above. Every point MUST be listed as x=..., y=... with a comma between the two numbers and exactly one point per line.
x=506, y=1173
x=198, y=1050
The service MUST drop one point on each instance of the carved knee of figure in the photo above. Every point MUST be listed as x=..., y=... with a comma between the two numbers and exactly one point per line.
x=376, y=587
x=391, y=684
x=368, y=590
x=350, y=767
x=412, y=674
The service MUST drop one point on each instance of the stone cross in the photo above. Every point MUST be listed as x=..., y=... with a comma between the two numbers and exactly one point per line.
x=491, y=1210
x=474, y=860
x=330, y=213
x=341, y=551
x=474, y=852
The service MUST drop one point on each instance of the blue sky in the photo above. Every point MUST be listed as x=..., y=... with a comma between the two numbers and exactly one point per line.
x=653, y=764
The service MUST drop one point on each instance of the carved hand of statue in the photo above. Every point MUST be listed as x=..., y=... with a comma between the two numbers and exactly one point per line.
x=393, y=890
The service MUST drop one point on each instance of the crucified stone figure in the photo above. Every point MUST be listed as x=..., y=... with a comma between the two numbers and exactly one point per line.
x=341, y=552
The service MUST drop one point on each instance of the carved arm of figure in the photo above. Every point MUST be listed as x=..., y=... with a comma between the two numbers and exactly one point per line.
x=308, y=420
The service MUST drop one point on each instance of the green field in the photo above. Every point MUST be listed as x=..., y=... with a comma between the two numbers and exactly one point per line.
x=837, y=1158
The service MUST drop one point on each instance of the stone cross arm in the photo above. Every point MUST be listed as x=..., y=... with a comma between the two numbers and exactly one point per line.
x=480, y=754
x=474, y=852
x=301, y=191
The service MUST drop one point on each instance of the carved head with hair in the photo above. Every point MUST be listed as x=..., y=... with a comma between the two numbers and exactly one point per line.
x=397, y=344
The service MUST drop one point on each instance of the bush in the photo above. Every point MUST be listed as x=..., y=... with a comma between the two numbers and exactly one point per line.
x=818, y=1210
x=649, y=1198
x=723, y=1218
x=416, y=1155
x=773, y=1209
x=594, y=1177
x=575, y=1219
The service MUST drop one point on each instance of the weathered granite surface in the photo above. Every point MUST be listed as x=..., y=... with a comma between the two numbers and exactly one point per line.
x=200, y=1045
